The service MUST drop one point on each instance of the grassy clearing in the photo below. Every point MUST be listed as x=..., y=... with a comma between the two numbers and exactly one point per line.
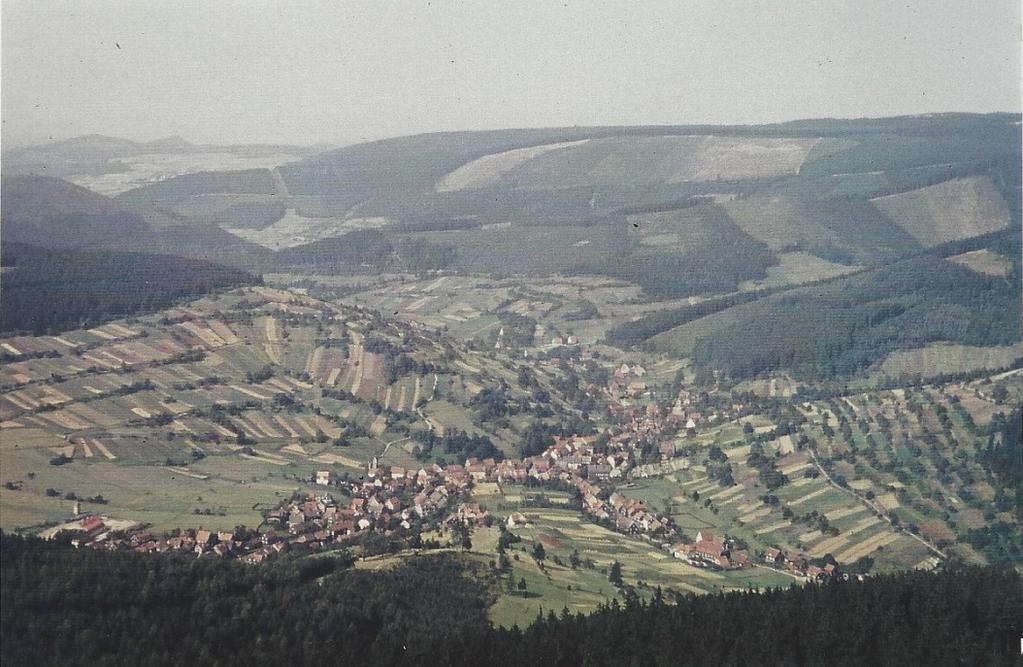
x=943, y=358
x=795, y=268
x=984, y=261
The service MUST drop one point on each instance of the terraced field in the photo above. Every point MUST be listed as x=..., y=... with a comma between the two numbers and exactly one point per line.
x=212, y=407
x=556, y=584
x=892, y=475
x=914, y=455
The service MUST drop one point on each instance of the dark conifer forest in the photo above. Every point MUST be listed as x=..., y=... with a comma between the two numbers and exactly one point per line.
x=47, y=291
x=69, y=607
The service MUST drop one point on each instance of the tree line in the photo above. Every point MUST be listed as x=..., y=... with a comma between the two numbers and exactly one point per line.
x=69, y=607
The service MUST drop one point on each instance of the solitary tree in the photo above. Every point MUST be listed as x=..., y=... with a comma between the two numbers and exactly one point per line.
x=615, y=576
x=539, y=553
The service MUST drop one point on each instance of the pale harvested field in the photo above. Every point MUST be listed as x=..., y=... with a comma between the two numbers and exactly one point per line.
x=738, y=452
x=736, y=158
x=810, y=496
x=862, y=525
x=246, y=427
x=749, y=507
x=794, y=467
x=955, y=209
x=90, y=414
x=944, y=358
x=304, y=423
x=811, y=536
x=103, y=449
x=263, y=424
x=984, y=261
x=330, y=428
x=486, y=489
x=286, y=426
x=727, y=493
x=834, y=515
x=867, y=547
x=249, y=393
x=888, y=501
x=66, y=420
x=489, y=168
x=203, y=333
x=772, y=527
x=707, y=487
x=755, y=514
x=827, y=546
x=294, y=229
x=338, y=459
x=224, y=331
x=795, y=268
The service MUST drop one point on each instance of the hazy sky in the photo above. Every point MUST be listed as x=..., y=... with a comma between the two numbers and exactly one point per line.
x=304, y=72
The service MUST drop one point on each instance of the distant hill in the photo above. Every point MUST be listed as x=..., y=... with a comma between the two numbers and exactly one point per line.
x=72, y=257
x=98, y=148
x=111, y=165
x=615, y=161
x=635, y=202
x=92, y=148
x=51, y=213
x=678, y=210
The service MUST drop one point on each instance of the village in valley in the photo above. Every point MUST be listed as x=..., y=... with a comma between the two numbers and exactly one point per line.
x=346, y=434
x=440, y=333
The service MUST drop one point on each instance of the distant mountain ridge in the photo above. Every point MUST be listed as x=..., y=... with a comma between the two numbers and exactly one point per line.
x=100, y=148
x=50, y=213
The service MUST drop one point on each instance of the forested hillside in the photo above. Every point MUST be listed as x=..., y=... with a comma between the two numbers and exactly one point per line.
x=69, y=607
x=733, y=218
x=53, y=213
x=47, y=291
x=841, y=326
x=679, y=210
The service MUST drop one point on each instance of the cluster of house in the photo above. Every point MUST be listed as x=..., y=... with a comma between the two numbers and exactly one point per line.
x=627, y=514
x=96, y=531
x=798, y=564
x=651, y=418
x=667, y=425
x=710, y=552
x=378, y=502
x=377, y=499
x=628, y=382
x=574, y=457
x=316, y=521
x=391, y=497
